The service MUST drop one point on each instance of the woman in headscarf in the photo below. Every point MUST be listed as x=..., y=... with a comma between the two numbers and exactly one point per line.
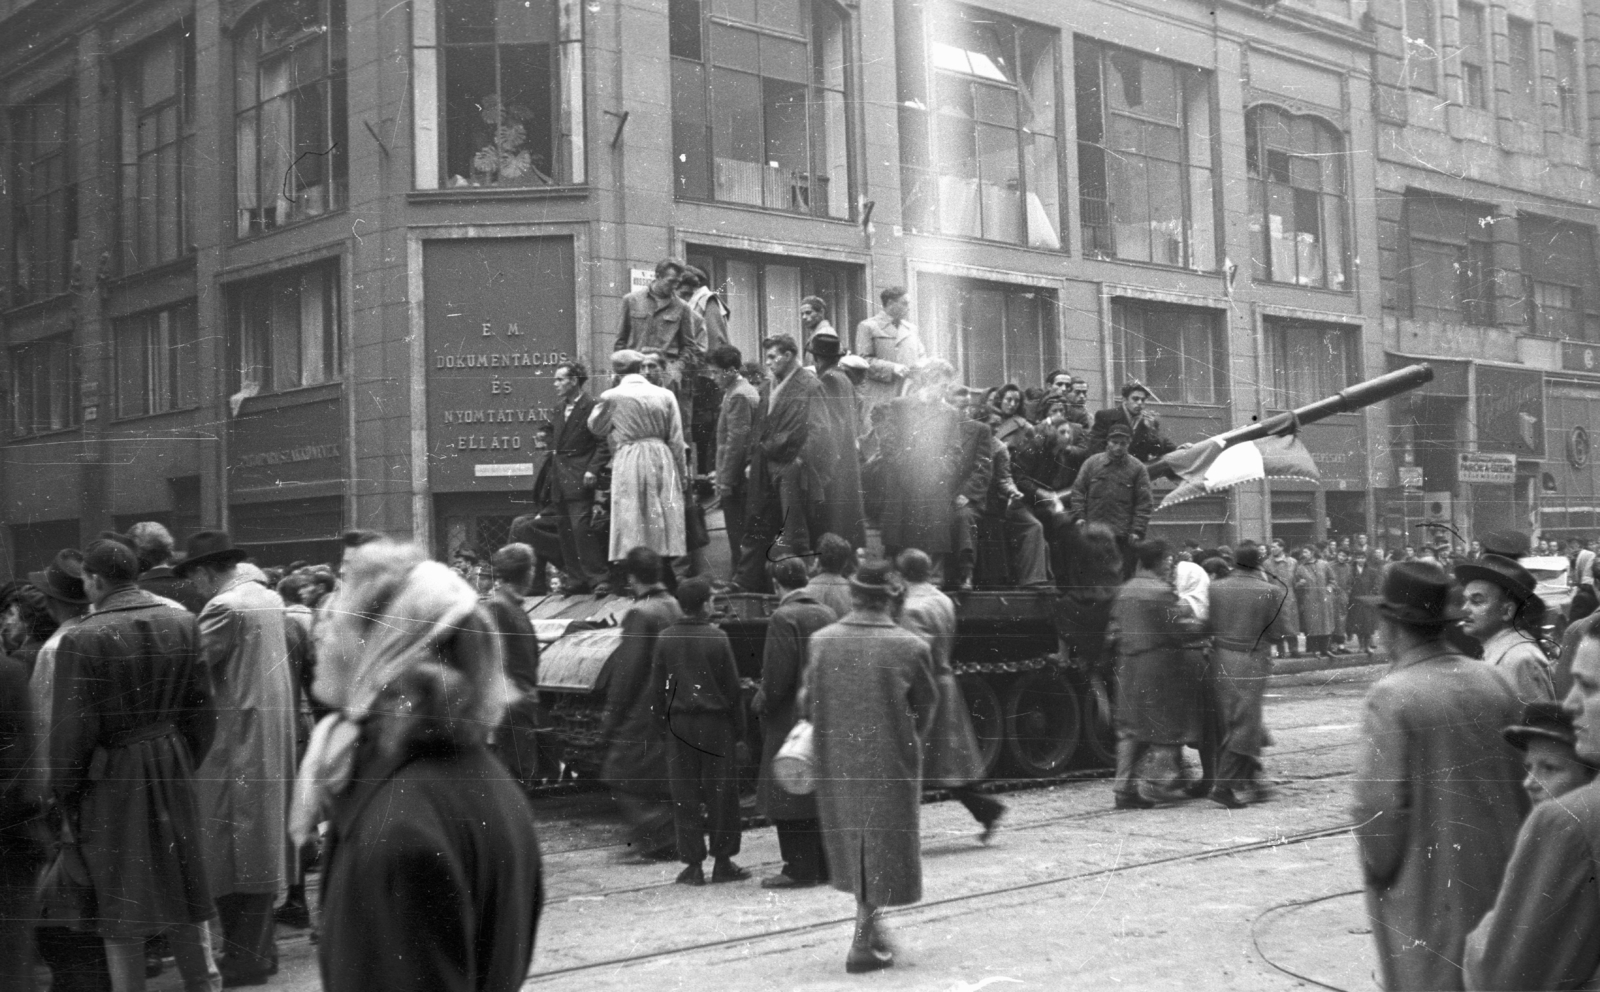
x=432, y=877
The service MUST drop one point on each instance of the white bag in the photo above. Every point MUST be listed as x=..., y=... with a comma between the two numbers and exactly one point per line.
x=795, y=764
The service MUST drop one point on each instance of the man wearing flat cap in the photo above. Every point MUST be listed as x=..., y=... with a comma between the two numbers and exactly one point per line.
x=244, y=782
x=1113, y=488
x=1437, y=799
x=1500, y=606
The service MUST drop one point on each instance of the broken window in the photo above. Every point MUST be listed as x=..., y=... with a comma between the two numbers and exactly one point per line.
x=286, y=330
x=44, y=219
x=157, y=151
x=1297, y=194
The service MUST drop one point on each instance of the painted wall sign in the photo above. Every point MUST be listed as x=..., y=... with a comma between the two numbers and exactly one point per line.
x=500, y=316
x=274, y=445
x=1488, y=467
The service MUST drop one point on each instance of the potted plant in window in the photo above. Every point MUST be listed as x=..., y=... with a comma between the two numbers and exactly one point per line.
x=506, y=160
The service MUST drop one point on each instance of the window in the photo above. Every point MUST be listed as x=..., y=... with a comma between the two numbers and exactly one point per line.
x=44, y=387
x=763, y=294
x=157, y=362
x=1422, y=47
x=758, y=104
x=998, y=333
x=1524, y=70
x=290, y=113
x=44, y=220
x=1474, y=56
x=1147, y=191
x=1558, y=265
x=989, y=165
x=1296, y=167
x=286, y=331
x=499, y=93
x=1308, y=361
x=1451, y=268
x=1568, y=80
x=156, y=114
x=1177, y=352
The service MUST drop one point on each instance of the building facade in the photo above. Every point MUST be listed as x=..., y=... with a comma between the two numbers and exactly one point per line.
x=294, y=266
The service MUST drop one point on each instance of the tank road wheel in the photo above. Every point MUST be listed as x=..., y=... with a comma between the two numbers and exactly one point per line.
x=988, y=722
x=1099, y=728
x=1043, y=723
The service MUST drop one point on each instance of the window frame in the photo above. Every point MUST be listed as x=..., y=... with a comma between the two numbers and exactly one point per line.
x=131, y=226
x=1557, y=257
x=846, y=307
x=252, y=214
x=1569, y=91
x=54, y=199
x=1422, y=46
x=1470, y=251
x=182, y=373
x=948, y=302
x=699, y=86
x=1122, y=369
x=1278, y=393
x=1258, y=156
x=252, y=332
x=1525, y=107
x=21, y=363
x=1479, y=96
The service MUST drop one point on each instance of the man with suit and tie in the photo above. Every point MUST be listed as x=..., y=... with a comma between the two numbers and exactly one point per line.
x=567, y=483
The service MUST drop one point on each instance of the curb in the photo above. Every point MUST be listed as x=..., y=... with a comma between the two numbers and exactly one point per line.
x=1300, y=666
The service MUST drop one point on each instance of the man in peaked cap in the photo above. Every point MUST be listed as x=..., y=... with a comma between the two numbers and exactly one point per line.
x=1437, y=800
x=1500, y=607
x=1511, y=544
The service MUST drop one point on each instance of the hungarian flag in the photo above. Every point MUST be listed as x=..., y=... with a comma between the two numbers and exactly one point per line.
x=1208, y=467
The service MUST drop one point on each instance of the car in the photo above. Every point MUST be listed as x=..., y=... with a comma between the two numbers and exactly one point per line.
x=1550, y=578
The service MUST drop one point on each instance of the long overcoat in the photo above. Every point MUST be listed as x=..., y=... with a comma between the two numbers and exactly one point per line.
x=643, y=428
x=1438, y=802
x=871, y=696
x=950, y=754
x=1342, y=575
x=928, y=461
x=783, y=660
x=1314, y=586
x=1158, y=686
x=843, y=513
x=1366, y=579
x=790, y=435
x=244, y=783
x=1282, y=574
x=636, y=755
x=131, y=715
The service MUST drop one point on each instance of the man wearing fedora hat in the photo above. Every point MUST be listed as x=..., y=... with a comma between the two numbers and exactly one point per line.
x=244, y=781
x=1500, y=602
x=1436, y=800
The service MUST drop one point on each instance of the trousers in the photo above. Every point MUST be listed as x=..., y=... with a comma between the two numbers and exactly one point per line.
x=704, y=777
x=800, y=846
x=583, y=557
x=191, y=949
x=1140, y=761
x=1241, y=679
x=248, y=942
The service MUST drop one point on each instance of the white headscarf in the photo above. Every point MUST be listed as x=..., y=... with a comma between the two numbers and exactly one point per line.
x=1193, y=587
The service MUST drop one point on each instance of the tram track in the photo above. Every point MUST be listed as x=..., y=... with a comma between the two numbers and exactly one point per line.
x=1284, y=840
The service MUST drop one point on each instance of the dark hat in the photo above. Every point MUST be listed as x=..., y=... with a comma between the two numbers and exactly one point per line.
x=62, y=579
x=1248, y=556
x=1119, y=429
x=1415, y=592
x=1517, y=581
x=208, y=547
x=876, y=577
x=1549, y=721
x=1506, y=543
x=824, y=345
x=112, y=560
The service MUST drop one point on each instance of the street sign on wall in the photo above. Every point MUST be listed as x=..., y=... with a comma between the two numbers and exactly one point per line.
x=1487, y=467
x=500, y=318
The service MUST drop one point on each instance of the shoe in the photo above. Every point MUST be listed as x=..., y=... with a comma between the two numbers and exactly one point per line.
x=1134, y=801
x=692, y=875
x=785, y=882
x=294, y=915
x=726, y=871
x=1224, y=796
x=864, y=959
x=235, y=976
x=1197, y=790
x=1261, y=792
x=580, y=589
x=153, y=965
x=989, y=827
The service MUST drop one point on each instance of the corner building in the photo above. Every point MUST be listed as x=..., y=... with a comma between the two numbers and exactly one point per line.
x=294, y=266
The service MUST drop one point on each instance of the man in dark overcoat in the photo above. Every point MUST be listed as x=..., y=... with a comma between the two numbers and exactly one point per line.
x=791, y=456
x=799, y=615
x=1438, y=799
x=842, y=510
x=516, y=740
x=871, y=696
x=1155, y=716
x=132, y=718
x=1243, y=605
x=635, y=765
x=575, y=464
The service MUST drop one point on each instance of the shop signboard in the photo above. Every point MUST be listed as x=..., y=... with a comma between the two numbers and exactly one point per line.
x=500, y=317
x=1511, y=411
x=1338, y=446
x=1579, y=356
x=1488, y=467
x=1411, y=477
x=288, y=441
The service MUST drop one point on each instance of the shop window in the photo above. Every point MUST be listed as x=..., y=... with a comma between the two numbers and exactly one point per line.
x=1178, y=352
x=289, y=123
x=998, y=333
x=156, y=147
x=44, y=387
x=1297, y=195
x=763, y=294
x=1558, y=265
x=1422, y=46
x=1569, y=82
x=44, y=218
x=1451, y=265
x=1523, y=69
x=499, y=93
x=1146, y=183
x=157, y=362
x=987, y=164
x=759, y=91
x=286, y=331
x=1474, y=56
x=1307, y=361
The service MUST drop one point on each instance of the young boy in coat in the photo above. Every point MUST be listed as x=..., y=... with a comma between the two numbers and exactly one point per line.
x=1549, y=752
x=699, y=705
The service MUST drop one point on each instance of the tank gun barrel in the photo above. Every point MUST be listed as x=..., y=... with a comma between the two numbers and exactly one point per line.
x=1362, y=394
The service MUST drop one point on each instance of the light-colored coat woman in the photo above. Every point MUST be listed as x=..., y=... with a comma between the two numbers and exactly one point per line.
x=642, y=424
x=872, y=698
x=1316, y=597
